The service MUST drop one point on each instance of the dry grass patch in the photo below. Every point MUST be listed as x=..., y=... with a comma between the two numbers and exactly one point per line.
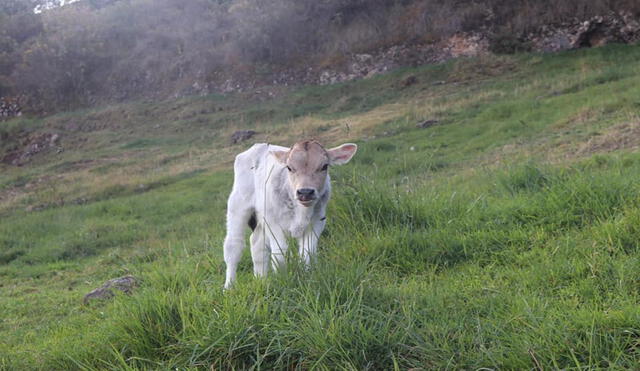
x=624, y=136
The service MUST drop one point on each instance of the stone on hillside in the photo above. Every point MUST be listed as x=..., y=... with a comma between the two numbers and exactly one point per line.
x=241, y=136
x=409, y=80
x=125, y=284
x=426, y=124
x=363, y=58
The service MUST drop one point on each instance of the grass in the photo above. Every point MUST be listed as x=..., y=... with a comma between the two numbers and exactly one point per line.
x=503, y=237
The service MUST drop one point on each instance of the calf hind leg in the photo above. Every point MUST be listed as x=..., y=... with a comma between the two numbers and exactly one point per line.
x=238, y=217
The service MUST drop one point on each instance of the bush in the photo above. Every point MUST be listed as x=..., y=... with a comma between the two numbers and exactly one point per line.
x=507, y=43
x=101, y=51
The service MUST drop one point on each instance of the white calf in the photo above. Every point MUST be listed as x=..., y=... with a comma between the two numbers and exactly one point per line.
x=279, y=192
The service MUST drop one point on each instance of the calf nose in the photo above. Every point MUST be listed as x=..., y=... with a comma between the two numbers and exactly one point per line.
x=305, y=193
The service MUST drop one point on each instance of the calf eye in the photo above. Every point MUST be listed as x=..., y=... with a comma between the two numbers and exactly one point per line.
x=324, y=167
x=290, y=169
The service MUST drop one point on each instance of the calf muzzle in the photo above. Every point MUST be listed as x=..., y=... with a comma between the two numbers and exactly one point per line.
x=306, y=194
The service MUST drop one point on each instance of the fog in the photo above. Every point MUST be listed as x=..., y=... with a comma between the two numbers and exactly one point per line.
x=96, y=51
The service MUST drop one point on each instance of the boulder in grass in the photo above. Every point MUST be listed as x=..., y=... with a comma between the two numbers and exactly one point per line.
x=241, y=136
x=409, y=80
x=125, y=284
x=426, y=124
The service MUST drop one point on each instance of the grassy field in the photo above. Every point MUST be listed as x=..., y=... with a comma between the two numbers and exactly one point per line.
x=504, y=237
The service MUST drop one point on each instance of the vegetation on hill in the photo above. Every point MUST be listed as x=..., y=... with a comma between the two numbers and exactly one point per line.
x=505, y=236
x=92, y=52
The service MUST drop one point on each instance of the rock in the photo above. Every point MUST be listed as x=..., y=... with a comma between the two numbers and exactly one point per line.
x=560, y=41
x=595, y=31
x=241, y=135
x=11, y=106
x=325, y=77
x=409, y=80
x=575, y=33
x=363, y=58
x=125, y=284
x=426, y=124
x=465, y=44
x=374, y=72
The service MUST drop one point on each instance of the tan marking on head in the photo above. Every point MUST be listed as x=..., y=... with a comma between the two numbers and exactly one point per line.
x=307, y=163
x=306, y=157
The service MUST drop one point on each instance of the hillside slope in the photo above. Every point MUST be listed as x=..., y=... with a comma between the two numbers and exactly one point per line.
x=503, y=236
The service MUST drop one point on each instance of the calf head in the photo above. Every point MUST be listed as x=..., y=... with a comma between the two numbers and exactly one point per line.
x=307, y=165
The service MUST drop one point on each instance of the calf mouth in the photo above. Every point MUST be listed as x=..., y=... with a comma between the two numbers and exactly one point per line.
x=306, y=200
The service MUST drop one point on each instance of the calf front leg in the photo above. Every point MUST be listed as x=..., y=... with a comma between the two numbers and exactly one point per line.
x=308, y=243
x=278, y=244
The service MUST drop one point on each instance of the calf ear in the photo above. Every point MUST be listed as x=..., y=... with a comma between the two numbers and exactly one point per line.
x=342, y=154
x=281, y=156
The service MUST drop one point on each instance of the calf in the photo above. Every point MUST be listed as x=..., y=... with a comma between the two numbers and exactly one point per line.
x=279, y=192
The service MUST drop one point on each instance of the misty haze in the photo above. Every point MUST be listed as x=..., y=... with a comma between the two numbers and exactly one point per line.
x=170, y=196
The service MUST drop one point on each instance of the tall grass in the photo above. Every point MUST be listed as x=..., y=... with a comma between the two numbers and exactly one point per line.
x=535, y=268
x=482, y=242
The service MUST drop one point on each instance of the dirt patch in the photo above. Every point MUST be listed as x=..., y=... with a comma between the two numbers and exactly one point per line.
x=30, y=146
x=565, y=149
x=623, y=136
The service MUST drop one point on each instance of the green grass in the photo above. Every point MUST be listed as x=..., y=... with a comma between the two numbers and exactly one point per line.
x=497, y=239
